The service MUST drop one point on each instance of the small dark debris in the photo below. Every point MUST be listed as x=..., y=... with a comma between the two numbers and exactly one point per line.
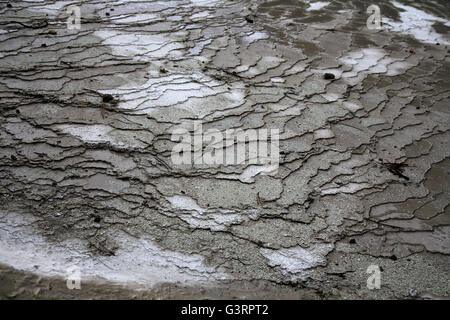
x=413, y=292
x=9, y=5
x=352, y=241
x=97, y=219
x=329, y=76
x=438, y=44
x=393, y=257
x=397, y=169
x=107, y=98
x=53, y=32
x=107, y=14
x=13, y=157
x=381, y=269
x=54, y=183
x=44, y=45
x=144, y=203
x=162, y=69
x=411, y=50
x=250, y=18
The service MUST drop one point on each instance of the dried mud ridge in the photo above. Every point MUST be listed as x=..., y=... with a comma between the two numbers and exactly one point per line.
x=87, y=179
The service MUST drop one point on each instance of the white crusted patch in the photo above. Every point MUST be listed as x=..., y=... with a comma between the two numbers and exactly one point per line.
x=323, y=134
x=314, y=6
x=351, y=106
x=138, y=261
x=277, y=80
x=295, y=261
x=255, y=36
x=371, y=60
x=100, y=133
x=250, y=172
x=181, y=91
x=416, y=23
x=214, y=219
x=185, y=203
x=140, y=46
x=199, y=46
x=205, y=3
x=136, y=18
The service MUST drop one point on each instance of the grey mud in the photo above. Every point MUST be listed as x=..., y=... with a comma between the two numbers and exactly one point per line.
x=86, y=178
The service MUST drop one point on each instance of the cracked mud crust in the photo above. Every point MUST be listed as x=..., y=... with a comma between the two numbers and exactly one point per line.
x=86, y=177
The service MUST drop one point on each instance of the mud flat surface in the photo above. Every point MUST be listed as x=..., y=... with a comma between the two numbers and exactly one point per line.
x=86, y=177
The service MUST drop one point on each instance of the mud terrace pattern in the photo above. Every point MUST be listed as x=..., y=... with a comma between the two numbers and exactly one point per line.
x=86, y=177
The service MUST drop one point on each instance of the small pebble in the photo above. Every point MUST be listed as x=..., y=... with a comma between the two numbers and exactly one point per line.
x=107, y=98
x=162, y=69
x=250, y=19
x=329, y=76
